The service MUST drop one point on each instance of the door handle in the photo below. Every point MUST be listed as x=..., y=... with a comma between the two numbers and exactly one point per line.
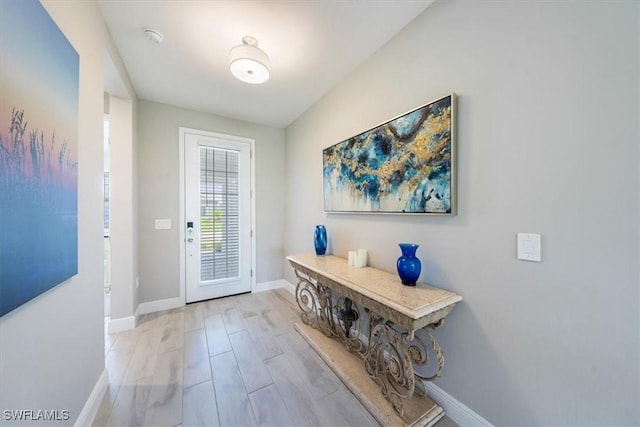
x=190, y=231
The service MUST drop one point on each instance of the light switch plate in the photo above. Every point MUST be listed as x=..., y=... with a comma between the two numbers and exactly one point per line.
x=529, y=247
x=163, y=224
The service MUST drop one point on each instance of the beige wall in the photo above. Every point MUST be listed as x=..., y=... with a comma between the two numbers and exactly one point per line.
x=52, y=348
x=158, y=194
x=548, y=143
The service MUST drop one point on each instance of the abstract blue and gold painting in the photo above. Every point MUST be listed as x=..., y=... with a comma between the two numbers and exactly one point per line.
x=406, y=165
x=39, y=75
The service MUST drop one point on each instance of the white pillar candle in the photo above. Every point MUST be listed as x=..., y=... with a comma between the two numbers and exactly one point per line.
x=361, y=258
x=352, y=258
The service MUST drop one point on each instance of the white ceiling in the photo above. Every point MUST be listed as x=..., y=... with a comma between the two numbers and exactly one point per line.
x=312, y=46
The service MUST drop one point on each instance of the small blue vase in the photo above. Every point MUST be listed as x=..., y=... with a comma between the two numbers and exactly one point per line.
x=408, y=265
x=320, y=240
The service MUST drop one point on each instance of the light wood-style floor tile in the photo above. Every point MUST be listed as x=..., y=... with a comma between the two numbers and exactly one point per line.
x=308, y=364
x=266, y=347
x=232, y=318
x=172, y=332
x=197, y=368
x=252, y=369
x=248, y=305
x=152, y=320
x=273, y=320
x=231, y=397
x=295, y=392
x=131, y=404
x=210, y=308
x=116, y=363
x=145, y=356
x=269, y=409
x=285, y=305
x=217, y=338
x=164, y=405
x=193, y=318
x=342, y=409
x=124, y=339
x=199, y=407
x=229, y=362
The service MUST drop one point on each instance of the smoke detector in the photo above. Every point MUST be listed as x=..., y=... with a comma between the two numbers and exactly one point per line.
x=153, y=35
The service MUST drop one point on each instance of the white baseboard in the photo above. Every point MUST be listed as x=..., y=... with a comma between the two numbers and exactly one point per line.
x=90, y=408
x=289, y=287
x=122, y=324
x=267, y=286
x=160, y=305
x=460, y=413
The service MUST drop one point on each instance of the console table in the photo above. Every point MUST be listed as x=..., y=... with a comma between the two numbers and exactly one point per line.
x=385, y=326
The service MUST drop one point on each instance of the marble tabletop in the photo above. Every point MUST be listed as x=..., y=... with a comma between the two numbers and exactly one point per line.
x=413, y=301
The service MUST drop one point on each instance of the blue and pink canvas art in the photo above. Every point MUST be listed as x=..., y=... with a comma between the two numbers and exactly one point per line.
x=39, y=74
x=405, y=165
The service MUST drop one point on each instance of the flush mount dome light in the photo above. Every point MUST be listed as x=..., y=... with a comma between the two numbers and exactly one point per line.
x=249, y=63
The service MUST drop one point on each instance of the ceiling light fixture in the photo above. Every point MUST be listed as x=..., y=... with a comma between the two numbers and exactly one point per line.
x=249, y=63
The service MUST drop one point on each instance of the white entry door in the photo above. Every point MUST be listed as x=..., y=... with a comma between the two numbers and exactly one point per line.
x=217, y=215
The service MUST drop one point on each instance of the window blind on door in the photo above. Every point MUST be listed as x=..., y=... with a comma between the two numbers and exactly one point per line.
x=219, y=214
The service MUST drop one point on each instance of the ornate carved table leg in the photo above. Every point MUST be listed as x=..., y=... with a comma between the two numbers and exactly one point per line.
x=347, y=315
x=391, y=356
x=307, y=299
x=314, y=300
x=420, y=354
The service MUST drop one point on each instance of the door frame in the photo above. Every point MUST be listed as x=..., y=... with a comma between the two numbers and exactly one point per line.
x=181, y=146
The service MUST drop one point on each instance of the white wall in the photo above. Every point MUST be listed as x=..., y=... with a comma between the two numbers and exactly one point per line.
x=124, y=257
x=122, y=222
x=158, y=194
x=52, y=348
x=548, y=143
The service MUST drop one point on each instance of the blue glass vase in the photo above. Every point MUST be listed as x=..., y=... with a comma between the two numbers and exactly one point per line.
x=409, y=265
x=320, y=240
